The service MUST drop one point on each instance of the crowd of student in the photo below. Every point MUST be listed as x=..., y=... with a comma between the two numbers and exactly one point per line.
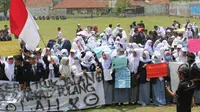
x=159, y=45
x=5, y=34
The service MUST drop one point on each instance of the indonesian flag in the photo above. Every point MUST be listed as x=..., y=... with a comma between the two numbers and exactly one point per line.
x=23, y=25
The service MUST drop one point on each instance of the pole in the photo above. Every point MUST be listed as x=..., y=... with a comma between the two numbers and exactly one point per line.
x=42, y=40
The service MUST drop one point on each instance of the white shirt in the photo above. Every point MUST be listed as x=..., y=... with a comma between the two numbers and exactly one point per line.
x=108, y=31
x=59, y=35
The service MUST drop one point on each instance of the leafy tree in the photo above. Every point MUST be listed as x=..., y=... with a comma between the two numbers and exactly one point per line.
x=121, y=5
x=4, y=6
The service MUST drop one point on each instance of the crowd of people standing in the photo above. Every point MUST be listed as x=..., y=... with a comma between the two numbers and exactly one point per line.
x=156, y=46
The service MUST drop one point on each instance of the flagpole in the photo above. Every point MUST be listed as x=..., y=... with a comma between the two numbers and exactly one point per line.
x=42, y=40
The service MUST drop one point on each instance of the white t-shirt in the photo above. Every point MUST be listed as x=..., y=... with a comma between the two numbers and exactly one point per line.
x=108, y=31
x=59, y=35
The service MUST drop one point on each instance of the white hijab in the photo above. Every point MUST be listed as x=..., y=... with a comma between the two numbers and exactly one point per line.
x=106, y=63
x=134, y=61
x=198, y=57
x=9, y=70
x=88, y=60
x=148, y=47
x=165, y=43
x=181, y=58
x=64, y=67
x=147, y=57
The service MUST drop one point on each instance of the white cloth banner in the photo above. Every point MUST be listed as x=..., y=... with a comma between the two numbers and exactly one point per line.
x=173, y=67
x=54, y=94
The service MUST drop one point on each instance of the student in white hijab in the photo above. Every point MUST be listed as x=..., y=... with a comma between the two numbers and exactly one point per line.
x=64, y=68
x=165, y=43
x=182, y=58
x=64, y=53
x=10, y=68
x=148, y=47
x=195, y=29
x=158, y=88
x=71, y=56
x=144, y=85
x=76, y=67
x=157, y=48
x=88, y=63
x=53, y=67
x=106, y=61
x=133, y=64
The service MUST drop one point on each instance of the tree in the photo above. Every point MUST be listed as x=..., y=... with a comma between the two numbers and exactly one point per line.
x=121, y=5
x=4, y=6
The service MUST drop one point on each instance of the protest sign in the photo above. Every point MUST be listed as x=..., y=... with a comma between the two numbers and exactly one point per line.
x=54, y=94
x=119, y=62
x=194, y=45
x=122, y=78
x=10, y=48
x=173, y=66
x=157, y=70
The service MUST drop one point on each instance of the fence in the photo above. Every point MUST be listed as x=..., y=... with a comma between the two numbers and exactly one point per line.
x=185, y=9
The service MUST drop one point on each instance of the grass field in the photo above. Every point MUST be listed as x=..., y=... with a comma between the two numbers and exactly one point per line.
x=48, y=30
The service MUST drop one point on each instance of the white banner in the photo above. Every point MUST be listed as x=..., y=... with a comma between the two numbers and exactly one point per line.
x=54, y=94
x=173, y=68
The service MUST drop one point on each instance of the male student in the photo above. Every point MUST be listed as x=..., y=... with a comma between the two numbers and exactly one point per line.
x=79, y=29
x=184, y=93
x=59, y=35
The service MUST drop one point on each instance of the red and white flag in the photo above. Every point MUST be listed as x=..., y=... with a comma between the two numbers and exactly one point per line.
x=23, y=25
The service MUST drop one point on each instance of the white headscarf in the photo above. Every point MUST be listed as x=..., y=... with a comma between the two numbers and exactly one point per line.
x=134, y=61
x=88, y=60
x=64, y=51
x=9, y=70
x=64, y=67
x=181, y=58
x=165, y=43
x=106, y=63
x=157, y=48
x=148, y=47
x=156, y=54
x=147, y=57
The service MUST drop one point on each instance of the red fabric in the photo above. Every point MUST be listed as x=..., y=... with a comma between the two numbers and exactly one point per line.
x=18, y=16
x=194, y=45
x=157, y=70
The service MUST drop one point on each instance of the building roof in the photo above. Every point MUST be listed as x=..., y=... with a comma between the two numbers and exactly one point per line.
x=38, y=3
x=69, y=4
x=143, y=2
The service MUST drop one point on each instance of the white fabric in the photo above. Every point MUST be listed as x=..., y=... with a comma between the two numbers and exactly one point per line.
x=88, y=60
x=147, y=57
x=9, y=71
x=29, y=33
x=108, y=31
x=64, y=67
x=134, y=61
x=148, y=47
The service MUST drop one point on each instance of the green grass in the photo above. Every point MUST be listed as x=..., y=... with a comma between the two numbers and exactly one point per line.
x=137, y=109
x=48, y=30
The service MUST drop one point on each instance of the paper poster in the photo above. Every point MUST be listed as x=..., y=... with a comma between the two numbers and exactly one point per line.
x=10, y=48
x=122, y=78
x=119, y=62
x=194, y=45
x=157, y=70
x=107, y=74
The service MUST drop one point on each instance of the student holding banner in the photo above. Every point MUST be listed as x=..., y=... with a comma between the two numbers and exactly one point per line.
x=158, y=88
x=144, y=87
x=122, y=78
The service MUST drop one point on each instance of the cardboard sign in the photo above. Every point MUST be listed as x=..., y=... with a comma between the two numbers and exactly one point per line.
x=194, y=45
x=157, y=70
x=10, y=48
x=122, y=78
x=119, y=62
x=53, y=94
